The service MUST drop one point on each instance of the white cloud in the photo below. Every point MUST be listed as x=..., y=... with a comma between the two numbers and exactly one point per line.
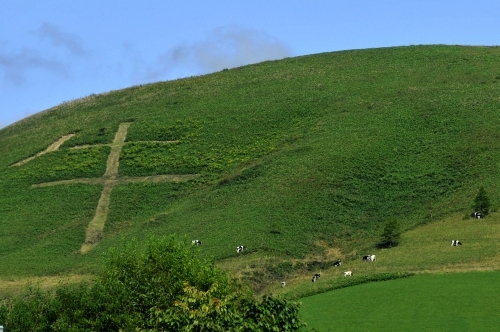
x=53, y=33
x=15, y=64
x=225, y=47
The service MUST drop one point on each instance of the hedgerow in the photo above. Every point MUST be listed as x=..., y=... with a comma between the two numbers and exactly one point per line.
x=165, y=287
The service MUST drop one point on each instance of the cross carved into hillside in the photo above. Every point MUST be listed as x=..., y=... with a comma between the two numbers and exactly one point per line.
x=109, y=180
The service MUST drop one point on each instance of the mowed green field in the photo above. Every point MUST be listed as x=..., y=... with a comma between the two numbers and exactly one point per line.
x=426, y=302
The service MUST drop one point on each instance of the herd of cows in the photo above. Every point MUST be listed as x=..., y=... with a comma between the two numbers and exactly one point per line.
x=338, y=262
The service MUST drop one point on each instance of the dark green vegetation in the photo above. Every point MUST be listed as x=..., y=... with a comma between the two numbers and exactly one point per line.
x=165, y=288
x=440, y=302
x=391, y=234
x=482, y=202
x=295, y=156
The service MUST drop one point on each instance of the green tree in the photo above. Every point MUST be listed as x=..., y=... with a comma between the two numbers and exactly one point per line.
x=391, y=234
x=482, y=202
x=166, y=287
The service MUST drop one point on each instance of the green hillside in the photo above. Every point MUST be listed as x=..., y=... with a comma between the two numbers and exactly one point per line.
x=291, y=158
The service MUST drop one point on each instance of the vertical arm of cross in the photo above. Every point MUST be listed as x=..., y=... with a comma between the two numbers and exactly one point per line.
x=116, y=148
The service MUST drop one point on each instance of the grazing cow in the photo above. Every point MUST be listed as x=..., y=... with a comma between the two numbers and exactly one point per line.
x=240, y=248
x=315, y=277
x=338, y=262
x=197, y=242
x=283, y=284
x=477, y=215
x=369, y=258
x=348, y=274
x=455, y=243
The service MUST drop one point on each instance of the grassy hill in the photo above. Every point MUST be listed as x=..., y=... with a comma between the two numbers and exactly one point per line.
x=298, y=158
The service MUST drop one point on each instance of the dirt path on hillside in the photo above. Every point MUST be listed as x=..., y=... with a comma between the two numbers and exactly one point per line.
x=110, y=144
x=87, y=146
x=95, y=229
x=62, y=182
x=111, y=178
x=161, y=142
x=120, y=180
x=116, y=148
x=53, y=147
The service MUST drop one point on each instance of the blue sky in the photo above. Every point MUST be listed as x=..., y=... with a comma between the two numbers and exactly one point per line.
x=53, y=51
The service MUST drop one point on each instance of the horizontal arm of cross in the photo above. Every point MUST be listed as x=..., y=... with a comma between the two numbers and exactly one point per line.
x=111, y=144
x=121, y=180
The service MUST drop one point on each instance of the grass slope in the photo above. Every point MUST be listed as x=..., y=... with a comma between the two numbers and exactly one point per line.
x=440, y=302
x=292, y=154
x=425, y=249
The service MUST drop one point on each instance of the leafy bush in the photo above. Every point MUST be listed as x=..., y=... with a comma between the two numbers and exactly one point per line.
x=281, y=270
x=164, y=288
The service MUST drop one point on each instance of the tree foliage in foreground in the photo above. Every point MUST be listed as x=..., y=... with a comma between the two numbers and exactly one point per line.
x=164, y=288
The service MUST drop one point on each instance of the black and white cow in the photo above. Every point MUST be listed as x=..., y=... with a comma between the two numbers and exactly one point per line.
x=283, y=284
x=240, y=248
x=455, y=243
x=477, y=215
x=369, y=258
x=338, y=262
x=315, y=277
x=196, y=242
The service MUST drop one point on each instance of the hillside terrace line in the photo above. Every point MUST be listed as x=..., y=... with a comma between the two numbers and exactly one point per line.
x=110, y=179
